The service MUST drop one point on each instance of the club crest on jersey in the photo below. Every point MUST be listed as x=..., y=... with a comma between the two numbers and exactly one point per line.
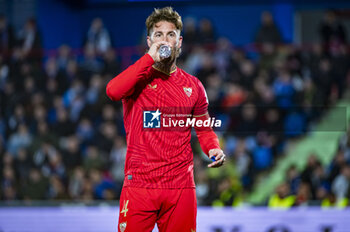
x=151, y=119
x=122, y=226
x=188, y=91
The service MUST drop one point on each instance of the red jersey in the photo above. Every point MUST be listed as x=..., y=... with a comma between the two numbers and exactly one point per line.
x=156, y=157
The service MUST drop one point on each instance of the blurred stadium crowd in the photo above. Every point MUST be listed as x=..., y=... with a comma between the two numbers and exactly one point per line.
x=61, y=138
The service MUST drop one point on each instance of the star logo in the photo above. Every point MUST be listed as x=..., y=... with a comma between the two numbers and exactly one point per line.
x=156, y=115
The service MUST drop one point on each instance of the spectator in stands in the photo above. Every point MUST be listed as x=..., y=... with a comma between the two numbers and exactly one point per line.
x=87, y=193
x=214, y=89
x=57, y=190
x=222, y=56
x=85, y=131
x=17, y=116
x=264, y=151
x=202, y=182
x=344, y=145
x=117, y=159
x=36, y=186
x=268, y=57
x=272, y=120
x=71, y=155
x=90, y=64
x=207, y=67
x=76, y=183
x=93, y=159
x=246, y=74
x=4, y=73
x=63, y=57
x=21, y=139
x=30, y=42
x=248, y=125
x=340, y=68
x=63, y=126
x=282, y=198
x=8, y=183
x=190, y=32
x=314, y=57
x=244, y=164
x=72, y=71
x=98, y=37
x=43, y=134
x=322, y=78
x=206, y=33
x=74, y=99
x=234, y=95
x=303, y=195
x=284, y=90
x=105, y=136
x=329, y=200
x=111, y=63
x=41, y=157
x=227, y=193
x=265, y=96
x=318, y=179
x=95, y=90
x=103, y=186
x=7, y=38
x=293, y=179
x=340, y=186
x=320, y=197
x=336, y=165
x=268, y=31
x=295, y=123
x=22, y=164
x=54, y=166
x=312, y=164
x=331, y=29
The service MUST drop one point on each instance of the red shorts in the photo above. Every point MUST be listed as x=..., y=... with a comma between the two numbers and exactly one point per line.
x=173, y=210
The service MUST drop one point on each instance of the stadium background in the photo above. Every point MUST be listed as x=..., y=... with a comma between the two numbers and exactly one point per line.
x=281, y=90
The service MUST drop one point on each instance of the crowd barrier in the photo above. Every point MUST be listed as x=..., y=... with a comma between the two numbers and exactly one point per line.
x=105, y=219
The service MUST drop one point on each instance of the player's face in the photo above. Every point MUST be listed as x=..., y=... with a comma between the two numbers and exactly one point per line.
x=167, y=32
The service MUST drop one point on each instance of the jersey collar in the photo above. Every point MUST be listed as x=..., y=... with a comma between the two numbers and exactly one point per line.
x=168, y=74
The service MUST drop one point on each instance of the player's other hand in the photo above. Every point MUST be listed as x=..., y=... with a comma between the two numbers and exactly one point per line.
x=219, y=158
x=153, y=50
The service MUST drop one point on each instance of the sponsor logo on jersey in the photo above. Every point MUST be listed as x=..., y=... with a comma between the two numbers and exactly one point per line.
x=151, y=119
x=155, y=119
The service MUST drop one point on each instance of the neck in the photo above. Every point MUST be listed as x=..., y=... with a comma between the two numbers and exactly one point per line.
x=165, y=67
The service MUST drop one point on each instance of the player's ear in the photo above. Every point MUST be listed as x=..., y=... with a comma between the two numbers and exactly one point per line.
x=149, y=43
x=179, y=43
